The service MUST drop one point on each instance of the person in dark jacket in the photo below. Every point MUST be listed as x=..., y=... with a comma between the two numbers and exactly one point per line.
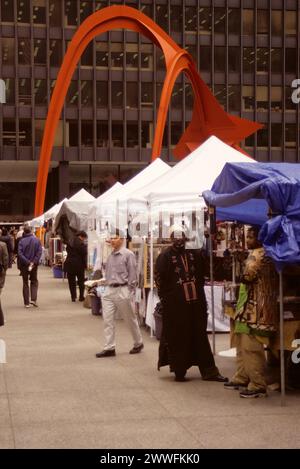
x=29, y=253
x=5, y=238
x=180, y=283
x=3, y=269
x=76, y=263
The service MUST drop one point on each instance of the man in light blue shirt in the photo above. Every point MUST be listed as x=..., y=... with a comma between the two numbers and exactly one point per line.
x=118, y=296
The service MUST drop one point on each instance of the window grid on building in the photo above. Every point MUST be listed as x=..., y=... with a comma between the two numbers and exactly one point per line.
x=247, y=54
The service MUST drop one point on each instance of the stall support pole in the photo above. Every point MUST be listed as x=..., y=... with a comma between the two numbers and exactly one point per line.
x=151, y=267
x=282, y=367
x=212, y=290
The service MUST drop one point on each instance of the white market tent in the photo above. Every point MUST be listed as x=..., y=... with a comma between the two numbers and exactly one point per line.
x=115, y=199
x=82, y=196
x=111, y=194
x=73, y=213
x=53, y=211
x=197, y=172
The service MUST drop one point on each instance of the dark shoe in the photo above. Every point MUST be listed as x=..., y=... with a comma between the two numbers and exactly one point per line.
x=106, y=353
x=234, y=386
x=81, y=298
x=137, y=349
x=253, y=394
x=73, y=299
x=180, y=379
x=219, y=378
x=180, y=376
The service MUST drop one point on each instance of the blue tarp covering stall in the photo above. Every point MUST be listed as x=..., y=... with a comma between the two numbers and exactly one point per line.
x=244, y=191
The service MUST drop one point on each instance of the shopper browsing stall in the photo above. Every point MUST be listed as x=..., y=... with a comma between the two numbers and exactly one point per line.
x=76, y=263
x=255, y=319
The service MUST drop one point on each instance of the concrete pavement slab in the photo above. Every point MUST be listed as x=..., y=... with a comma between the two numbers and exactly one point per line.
x=108, y=405
x=267, y=431
x=57, y=394
x=120, y=434
x=6, y=437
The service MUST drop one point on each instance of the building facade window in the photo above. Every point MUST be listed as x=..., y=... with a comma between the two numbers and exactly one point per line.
x=205, y=58
x=248, y=22
x=8, y=50
x=55, y=53
x=23, y=11
x=176, y=18
x=72, y=94
x=248, y=98
x=7, y=11
x=248, y=60
x=86, y=93
x=234, y=21
x=102, y=93
x=132, y=135
x=10, y=90
x=234, y=61
x=25, y=91
x=220, y=20
x=290, y=135
x=87, y=133
x=161, y=16
x=220, y=59
x=147, y=94
x=72, y=133
x=276, y=135
x=39, y=11
x=117, y=94
x=25, y=132
x=132, y=96
x=39, y=52
x=190, y=18
x=9, y=132
x=262, y=64
x=102, y=134
x=55, y=12
x=276, y=98
x=24, y=51
x=290, y=22
x=117, y=134
x=205, y=20
x=276, y=23
x=263, y=137
x=262, y=98
x=101, y=54
x=262, y=22
x=71, y=13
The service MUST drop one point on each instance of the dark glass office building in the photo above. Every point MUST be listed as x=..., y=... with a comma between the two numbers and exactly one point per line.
x=247, y=52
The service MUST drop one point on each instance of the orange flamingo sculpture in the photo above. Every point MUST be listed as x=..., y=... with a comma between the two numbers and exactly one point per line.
x=208, y=117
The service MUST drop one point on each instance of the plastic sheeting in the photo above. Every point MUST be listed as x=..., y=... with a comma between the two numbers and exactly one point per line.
x=279, y=185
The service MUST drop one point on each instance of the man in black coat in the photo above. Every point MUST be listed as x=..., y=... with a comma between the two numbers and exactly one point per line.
x=180, y=281
x=76, y=263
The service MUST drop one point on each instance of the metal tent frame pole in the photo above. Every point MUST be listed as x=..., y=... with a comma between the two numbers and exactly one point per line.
x=281, y=330
x=211, y=265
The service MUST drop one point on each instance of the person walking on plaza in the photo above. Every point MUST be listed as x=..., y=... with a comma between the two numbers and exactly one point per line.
x=4, y=261
x=179, y=279
x=120, y=285
x=76, y=263
x=255, y=320
x=5, y=238
x=29, y=254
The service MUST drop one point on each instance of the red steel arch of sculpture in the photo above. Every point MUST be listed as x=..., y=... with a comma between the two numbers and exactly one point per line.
x=208, y=117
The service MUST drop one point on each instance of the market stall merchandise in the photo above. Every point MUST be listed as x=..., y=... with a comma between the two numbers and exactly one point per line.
x=278, y=185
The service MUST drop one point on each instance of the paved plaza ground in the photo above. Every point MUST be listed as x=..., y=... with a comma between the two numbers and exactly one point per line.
x=54, y=393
